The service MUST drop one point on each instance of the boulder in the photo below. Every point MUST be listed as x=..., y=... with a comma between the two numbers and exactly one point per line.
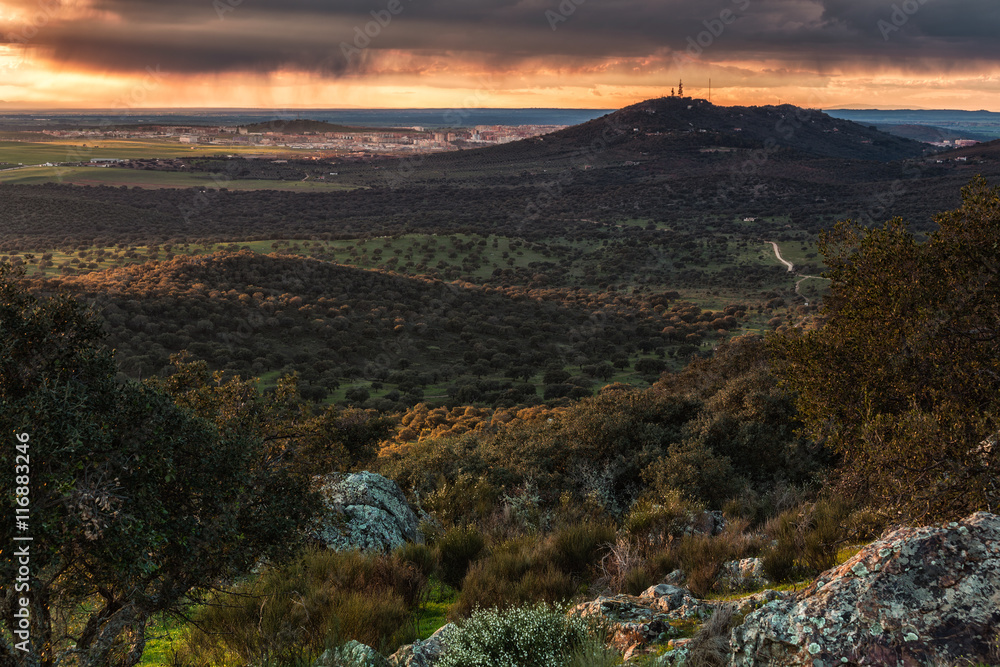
x=742, y=575
x=916, y=596
x=352, y=653
x=364, y=511
x=424, y=653
x=635, y=621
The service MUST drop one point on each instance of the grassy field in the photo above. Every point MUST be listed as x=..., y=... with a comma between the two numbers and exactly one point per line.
x=77, y=150
x=163, y=637
x=116, y=176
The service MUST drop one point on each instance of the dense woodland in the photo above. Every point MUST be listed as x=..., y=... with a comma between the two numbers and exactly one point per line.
x=259, y=315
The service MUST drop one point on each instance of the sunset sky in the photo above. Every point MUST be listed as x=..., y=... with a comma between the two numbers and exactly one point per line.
x=497, y=53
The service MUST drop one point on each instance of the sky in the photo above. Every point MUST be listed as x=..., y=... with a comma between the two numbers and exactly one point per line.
x=601, y=54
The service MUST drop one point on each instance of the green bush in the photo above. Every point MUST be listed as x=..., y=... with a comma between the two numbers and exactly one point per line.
x=805, y=539
x=779, y=561
x=593, y=652
x=653, y=520
x=575, y=547
x=515, y=573
x=760, y=507
x=420, y=556
x=456, y=549
x=637, y=580
x=701, y=557
x=291, y=614
x=466, y=499
x=536, y=636
x=901, y=379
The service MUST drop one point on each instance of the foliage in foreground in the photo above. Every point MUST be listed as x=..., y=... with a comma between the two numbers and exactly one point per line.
x=903, y=380
x=291, y=614
x=135, y=503
x=530, y=636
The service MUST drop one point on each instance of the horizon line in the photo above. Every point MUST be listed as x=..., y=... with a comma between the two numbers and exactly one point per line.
x=4, y=109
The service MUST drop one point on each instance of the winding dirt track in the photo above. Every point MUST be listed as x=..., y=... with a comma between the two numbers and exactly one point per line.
x=791, y=268
x=777, y=253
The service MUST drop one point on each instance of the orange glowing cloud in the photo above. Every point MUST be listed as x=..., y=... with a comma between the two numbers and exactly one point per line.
x=531, y=53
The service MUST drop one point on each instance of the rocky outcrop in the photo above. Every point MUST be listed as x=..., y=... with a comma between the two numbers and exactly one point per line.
x=352, y=653
x=425, y=653
x=638, y=620
x=364, y=511
x=917, y=596
x=746, y=574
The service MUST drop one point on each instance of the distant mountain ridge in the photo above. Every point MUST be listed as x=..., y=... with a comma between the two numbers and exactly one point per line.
x=930, y=133
x=979, y=125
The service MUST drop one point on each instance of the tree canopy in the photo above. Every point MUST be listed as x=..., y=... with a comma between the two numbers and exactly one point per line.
x=903, y=380
x=135, y=502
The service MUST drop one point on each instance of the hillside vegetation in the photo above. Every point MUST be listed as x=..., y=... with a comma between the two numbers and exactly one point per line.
x=624, y=387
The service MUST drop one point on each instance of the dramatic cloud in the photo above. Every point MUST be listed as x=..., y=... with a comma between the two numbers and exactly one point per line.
x=577, y=43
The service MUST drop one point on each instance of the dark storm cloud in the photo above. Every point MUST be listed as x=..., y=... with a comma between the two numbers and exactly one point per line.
x=193, y=36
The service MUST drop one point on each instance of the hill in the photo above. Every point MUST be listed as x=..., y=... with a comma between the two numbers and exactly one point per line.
x=395, y=336
x=677, y=128
x=929, y=133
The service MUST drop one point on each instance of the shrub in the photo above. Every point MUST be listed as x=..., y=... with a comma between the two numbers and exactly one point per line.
x=420, y=556
x=623, y=556
x=466, y=499
x=637, y=580
x=701, y=557
x=805, y=539
x=710, y=646
x=901, y=379
x=574, y=548
x=593, y=652
x=515, y=573
x=759, y=508
x=653, y=521
x=457, y=548
x=536, y=636
x=291, y=614
x=779, y=561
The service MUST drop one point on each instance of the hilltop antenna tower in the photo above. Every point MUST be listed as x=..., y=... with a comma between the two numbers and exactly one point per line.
x=709, y=90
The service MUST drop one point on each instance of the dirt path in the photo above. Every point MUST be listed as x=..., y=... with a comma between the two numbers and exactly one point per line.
x=791, y=268
x=777, y=253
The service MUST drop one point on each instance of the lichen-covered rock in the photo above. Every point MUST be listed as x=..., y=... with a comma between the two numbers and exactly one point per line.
x=425, y=653
x=917, y=596
x=364, y=511
x=638, y=620
x=745, y=605
x=351, y=654
x=742, y=575
x=665, y=596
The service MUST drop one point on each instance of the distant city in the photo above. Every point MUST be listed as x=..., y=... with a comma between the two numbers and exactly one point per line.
x=359, y=141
